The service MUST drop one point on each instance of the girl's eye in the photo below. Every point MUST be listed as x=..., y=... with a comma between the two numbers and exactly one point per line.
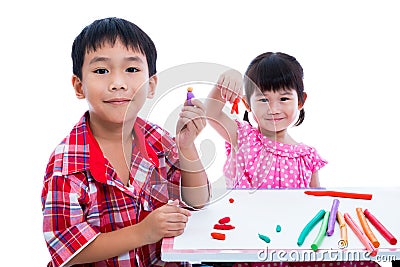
x=263, y=100
x=101, y=71
x=132, y=69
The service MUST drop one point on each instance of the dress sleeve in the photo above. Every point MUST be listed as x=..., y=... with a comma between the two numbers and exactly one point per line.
x=316, y=161
x=65, y=230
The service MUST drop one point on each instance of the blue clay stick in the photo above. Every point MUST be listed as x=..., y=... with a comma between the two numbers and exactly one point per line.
x=332, y=217
x=310, y=225
x=264, y=238
x=322, y=232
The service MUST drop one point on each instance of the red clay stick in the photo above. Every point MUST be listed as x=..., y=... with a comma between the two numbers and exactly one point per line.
x=379, y=226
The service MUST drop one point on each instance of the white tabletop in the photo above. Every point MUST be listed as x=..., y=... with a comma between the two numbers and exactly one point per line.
x=260, y=211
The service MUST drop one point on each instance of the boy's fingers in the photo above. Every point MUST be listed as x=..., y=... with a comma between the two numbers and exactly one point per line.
x=200, y=123
x=197, y=103
x=198, y=120
x=189, y=125
x=185, y=212
x=176, y=209
x=174, y=202
x=178, y=218
x=174, y=233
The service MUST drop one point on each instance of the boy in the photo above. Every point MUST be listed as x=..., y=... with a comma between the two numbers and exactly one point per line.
x=107, y=183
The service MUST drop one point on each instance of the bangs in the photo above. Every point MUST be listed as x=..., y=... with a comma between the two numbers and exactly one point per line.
x=274, y=75
x=109, y=34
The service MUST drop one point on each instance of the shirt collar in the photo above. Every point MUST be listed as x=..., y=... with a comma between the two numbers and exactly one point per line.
x=82, y=137
x=141, y=142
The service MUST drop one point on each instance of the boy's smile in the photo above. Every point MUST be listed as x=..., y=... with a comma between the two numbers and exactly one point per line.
x=118, y=101
x=115, y=83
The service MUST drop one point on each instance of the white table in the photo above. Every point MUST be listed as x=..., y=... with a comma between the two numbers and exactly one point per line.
x=260, y=211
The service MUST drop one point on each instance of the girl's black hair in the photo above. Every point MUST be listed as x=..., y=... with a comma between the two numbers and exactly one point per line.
x=272, y=72
x=108, y=30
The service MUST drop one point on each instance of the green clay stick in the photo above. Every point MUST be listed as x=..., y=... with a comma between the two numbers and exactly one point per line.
x=310, y=225
x=322, y=232
x=264, y=238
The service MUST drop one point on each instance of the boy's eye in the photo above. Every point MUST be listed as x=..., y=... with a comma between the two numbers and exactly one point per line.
x=132, y=69
x=101, y=71
x=285, y=99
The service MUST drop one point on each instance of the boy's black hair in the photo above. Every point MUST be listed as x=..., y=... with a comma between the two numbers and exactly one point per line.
x=107, y=31
x=273, y=72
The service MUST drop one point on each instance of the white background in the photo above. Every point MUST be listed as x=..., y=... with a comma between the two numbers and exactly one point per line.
x=349, y=51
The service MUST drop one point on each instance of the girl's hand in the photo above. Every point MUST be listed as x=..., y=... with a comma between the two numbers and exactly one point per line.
x=231, y=85
x=166, y=221
x=191, y=122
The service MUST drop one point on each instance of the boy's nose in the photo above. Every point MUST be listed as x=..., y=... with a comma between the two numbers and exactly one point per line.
x=115, y=87
x=118, y=83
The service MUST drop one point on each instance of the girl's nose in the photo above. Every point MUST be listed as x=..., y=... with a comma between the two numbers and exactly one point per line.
x=273, y=108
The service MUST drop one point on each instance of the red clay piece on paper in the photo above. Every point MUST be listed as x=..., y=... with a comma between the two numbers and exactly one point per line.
x=224, y=220
x=224, y=226
x=218, y=236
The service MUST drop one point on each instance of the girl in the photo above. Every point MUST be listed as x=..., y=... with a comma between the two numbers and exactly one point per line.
x=266, y=156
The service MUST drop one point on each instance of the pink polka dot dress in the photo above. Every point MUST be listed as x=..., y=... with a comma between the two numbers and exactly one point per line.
x=260, y=162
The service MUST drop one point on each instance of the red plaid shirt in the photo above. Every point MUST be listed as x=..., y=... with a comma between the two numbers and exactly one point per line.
x=82, y=195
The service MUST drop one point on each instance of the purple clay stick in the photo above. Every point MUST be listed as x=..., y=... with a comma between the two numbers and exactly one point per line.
x=189, y=96
x=332, y=217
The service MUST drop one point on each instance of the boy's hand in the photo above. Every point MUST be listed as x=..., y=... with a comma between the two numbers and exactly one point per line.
x=166, y=221
x=191, y=122
x=231, y=85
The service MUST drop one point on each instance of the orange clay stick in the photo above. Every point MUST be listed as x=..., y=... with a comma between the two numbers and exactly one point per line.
x=367, y=230
x=246, y=104
x=343, y=228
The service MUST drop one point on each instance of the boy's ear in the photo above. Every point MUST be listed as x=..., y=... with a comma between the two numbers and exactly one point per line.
x=77, y=84
x=152, y=86
x=300, y=106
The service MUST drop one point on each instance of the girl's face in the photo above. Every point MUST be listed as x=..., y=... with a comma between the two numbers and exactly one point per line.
x=275, y=111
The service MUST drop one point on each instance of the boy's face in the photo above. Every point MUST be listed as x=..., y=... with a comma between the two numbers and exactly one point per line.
x=114, y=78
